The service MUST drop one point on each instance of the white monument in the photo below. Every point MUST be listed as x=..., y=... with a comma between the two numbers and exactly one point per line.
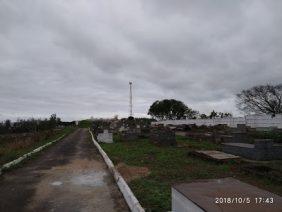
x=105, y=137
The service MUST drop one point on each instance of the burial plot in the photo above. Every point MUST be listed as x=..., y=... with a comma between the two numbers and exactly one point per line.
x=239, y=134
x=219, y=138
x=223, y=195
x=163, y=137
x=200, y=136
x=215, y=155
x=263, y=149
x=129, y=136
x=105, y=137
x=144, y=132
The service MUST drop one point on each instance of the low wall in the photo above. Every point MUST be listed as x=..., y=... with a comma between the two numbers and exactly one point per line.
x=253, y=121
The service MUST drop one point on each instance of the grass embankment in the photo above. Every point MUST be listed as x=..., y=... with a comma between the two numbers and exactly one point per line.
x=170, y=165
x=12, y=146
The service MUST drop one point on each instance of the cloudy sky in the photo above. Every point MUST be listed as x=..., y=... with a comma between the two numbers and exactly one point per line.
x=76, y=57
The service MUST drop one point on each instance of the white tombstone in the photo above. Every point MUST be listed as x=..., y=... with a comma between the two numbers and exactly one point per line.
x=105, y=137
x=121, y=129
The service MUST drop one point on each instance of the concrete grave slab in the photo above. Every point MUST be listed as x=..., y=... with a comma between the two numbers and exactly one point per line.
x=216, y=155
x=223, y=195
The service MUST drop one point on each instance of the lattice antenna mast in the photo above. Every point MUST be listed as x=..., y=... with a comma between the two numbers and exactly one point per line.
x=130, y=99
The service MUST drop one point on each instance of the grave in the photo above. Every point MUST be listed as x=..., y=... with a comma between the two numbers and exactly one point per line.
x=239, y=137
x=220, y=138
x=263, y=149
x=105, y=137
x=162, y=136
x=223, y=195
x=130, y=134
x=239, y=134
x=215, y=155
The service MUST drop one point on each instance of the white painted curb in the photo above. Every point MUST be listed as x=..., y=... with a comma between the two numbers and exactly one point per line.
x=131, y=200
x=20, y=159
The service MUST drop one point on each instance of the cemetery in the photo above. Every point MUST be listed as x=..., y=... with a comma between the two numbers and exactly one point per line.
x=169, y=156
x=197, y=196
x=162, y=106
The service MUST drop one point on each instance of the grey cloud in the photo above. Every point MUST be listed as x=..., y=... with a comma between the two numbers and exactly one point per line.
x=75, y=58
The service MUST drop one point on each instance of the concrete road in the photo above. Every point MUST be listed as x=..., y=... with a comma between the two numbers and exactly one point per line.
x=68, y=176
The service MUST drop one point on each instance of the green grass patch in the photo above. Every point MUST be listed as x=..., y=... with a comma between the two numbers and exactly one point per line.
x=85, y=123
x=171, y=165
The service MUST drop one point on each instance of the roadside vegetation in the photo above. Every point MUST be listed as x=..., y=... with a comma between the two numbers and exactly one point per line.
x=14, y=145
x=171, y=165
x=87, y=123
x=30, y=125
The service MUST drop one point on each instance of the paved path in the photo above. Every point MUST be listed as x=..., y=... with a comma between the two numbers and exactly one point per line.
x=69, y=176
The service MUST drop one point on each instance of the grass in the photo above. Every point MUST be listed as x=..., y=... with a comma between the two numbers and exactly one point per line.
x=85, y=123
x=13, y=150
x=171, y=165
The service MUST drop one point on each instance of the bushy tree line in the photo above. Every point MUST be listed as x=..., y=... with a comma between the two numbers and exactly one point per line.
x=171, y=109
x=261, y=99
x=215, y=114
x=29, y=125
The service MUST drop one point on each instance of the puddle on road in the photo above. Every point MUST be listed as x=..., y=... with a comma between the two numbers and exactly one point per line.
x=90, y=179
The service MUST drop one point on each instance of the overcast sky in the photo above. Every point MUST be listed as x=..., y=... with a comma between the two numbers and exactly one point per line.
x=76, y=57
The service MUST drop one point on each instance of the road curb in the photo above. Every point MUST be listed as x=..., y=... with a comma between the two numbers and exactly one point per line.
x=20, y=159
x=130, y=198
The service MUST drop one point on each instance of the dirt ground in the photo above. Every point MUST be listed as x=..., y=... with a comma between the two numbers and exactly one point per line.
x=130, y=173
x=69, y=176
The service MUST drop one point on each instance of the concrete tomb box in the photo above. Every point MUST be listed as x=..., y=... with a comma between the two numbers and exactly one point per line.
x=263, y=149
x=223, y=195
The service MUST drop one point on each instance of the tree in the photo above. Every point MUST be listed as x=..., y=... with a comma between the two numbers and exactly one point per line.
x=203, y=116
x=171, y=109
x=54, y=121
x=224, y=115
x=213, y=115
x=262, y=99
x=8, y=124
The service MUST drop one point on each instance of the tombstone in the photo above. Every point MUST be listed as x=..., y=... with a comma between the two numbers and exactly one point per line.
x=145, y=132
x=239, y=137
x=242, y=127
x=130, y=135
x=239, y=134
x=121, y=129
x=163, y=137
x=105, y=137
